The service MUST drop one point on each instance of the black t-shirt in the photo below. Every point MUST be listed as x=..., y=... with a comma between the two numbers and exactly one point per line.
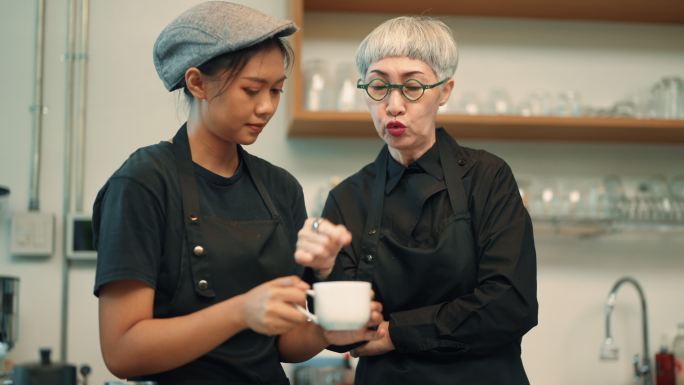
x=138, y=220
x=138, y=212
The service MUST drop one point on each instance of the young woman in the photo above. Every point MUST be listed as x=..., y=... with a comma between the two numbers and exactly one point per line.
x=196, y=278
x=439, y=229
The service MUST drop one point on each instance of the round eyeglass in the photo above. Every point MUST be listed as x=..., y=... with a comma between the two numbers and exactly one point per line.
x=412, y=89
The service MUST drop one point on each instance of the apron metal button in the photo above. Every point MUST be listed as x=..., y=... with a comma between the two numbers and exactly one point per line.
x=203, y=285
x=372, y=232
x=461, y=162
x=193, y=218
x=198, y=250
x=369, y=258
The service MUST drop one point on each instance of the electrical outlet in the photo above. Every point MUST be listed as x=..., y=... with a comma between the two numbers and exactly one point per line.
x=32, y=234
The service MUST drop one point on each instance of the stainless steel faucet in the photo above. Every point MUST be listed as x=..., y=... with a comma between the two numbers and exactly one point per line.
x=609, y=351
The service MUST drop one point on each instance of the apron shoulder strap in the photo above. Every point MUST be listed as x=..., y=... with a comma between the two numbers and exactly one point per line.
x=454, y=169
x=199, y=267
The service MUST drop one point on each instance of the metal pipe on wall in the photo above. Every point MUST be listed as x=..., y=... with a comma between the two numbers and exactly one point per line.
x=79, y=138
x=68, y=164
x=76, y=59
x=37, y=109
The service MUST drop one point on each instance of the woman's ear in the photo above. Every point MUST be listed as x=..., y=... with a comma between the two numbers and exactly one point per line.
x=446, y=91
x=195, y=83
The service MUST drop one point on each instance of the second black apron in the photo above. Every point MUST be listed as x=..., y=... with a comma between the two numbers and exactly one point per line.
x=432, y=269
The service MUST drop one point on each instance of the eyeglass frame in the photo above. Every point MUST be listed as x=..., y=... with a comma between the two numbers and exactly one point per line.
x=389, y=86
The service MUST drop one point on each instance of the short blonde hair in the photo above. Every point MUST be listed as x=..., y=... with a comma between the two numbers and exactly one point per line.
x=417, y=37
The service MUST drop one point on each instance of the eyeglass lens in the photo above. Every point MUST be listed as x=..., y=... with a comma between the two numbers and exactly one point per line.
x=378, y=89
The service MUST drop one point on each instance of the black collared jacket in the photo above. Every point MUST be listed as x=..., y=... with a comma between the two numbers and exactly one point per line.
x=456, y=317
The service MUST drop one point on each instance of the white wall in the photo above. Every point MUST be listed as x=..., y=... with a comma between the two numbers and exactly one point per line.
x=41, y=281
x=128, y=108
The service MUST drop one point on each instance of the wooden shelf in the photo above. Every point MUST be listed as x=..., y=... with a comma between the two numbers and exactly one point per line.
x=650, y=11
x=359, y=125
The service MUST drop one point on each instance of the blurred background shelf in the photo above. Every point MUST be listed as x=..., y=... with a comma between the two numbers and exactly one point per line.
x=333, y=124
x=359, y=125
x=651, y=11
x=589, y=228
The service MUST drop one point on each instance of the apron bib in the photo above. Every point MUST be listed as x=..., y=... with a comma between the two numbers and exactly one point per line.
x=221, y=259
x=432, y=269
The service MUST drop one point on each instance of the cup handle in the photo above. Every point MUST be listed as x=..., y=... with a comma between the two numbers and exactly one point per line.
x=310, y=316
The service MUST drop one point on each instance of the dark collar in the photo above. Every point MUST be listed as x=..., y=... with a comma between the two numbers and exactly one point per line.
x=428, y=163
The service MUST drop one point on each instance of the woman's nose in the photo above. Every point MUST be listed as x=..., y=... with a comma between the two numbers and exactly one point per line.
x=266, y=105
x=395, y=102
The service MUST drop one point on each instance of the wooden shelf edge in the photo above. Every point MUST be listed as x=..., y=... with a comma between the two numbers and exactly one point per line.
x=516, y=128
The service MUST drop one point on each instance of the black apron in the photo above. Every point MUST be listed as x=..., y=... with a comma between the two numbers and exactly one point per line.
x=432, y=269
x=454, y=253
x=222, y=259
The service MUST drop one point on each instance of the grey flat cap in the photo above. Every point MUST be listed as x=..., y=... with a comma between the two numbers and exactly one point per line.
x=208, y=30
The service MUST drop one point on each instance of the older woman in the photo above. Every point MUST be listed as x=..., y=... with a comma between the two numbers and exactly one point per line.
x=439, y=229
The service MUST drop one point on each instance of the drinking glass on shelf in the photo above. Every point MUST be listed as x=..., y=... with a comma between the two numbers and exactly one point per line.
x=658, y=100
x=597, y=111
x=469, y=104
x=536, y=104
x=499, y=102
x=591, y=200
x=568, y=103
x=676, y=189
x=317, y=85
x=347, y=96
x=643, y=104
x=617, y=203
x=531, y=105
x=624, y=108
x=673, y=97
x=652, y=199
x=576, y=198
x=525, y=107
x=548, y=103
x=543, y=198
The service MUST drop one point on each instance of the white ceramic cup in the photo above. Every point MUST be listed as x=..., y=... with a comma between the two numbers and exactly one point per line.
x=340, y=305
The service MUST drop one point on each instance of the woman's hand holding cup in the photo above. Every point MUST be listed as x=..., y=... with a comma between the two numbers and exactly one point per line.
x=369, y=332
x=318, y=243
x=271, y=308
x=381, y=345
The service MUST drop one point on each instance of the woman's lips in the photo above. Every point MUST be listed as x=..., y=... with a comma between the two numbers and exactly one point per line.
x=256, y=128
x=395, y=128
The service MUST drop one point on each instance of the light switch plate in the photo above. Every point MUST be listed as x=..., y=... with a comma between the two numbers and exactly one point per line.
x=79, y=237
x=32, y=234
